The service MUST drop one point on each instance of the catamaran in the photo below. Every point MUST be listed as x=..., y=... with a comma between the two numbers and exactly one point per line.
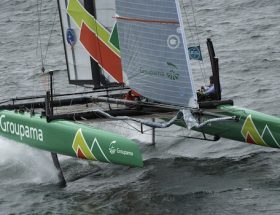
x=135, y=58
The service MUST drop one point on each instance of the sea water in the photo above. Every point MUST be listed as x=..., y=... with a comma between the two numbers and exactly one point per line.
x=180, y=176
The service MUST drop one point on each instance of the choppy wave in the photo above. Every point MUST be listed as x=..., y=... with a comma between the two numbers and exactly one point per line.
x=181, y=176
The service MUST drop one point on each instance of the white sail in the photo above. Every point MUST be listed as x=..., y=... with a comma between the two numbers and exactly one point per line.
x=87, y=27
x=79, y=64
x=153, y=49
x=105, y=13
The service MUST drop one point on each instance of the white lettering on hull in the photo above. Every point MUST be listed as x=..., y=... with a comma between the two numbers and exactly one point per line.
x=23, y=131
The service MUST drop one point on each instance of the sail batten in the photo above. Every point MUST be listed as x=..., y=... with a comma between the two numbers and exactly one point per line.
x=132, y=19
x=153, y=51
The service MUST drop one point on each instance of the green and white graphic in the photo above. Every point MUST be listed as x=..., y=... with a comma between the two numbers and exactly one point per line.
x=68, y=138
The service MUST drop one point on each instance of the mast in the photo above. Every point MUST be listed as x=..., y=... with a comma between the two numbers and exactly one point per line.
x=96, y=71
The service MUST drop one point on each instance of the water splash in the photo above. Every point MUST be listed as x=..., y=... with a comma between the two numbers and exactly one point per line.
x=21, y=164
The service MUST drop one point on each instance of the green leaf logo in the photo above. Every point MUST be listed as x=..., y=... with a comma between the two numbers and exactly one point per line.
x=172, y=74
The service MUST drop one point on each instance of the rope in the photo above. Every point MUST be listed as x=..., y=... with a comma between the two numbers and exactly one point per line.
x=43, y=56
x=49, y=40
x=195, y=37
x=195, y=23
x=39, y=42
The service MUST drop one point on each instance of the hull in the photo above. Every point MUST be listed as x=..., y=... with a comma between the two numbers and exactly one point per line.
x=68, y=138
x=251, y=127
x=85, y=142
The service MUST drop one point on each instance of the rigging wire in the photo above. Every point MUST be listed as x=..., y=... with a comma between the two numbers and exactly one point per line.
x=198, y=39
x=39, y=41
x=195, y=22
x=194, y=35
x=39, y=44
x=50, y=36
x=43, y=56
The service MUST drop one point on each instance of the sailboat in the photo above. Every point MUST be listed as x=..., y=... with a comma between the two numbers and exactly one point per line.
x=139, y=47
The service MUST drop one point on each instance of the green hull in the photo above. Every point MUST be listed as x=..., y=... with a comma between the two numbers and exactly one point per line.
x=252, y=127
x=68, y=138
x=86, y=142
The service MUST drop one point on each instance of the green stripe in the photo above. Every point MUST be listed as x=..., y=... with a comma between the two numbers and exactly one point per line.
x=114, y=39
x=79, y=14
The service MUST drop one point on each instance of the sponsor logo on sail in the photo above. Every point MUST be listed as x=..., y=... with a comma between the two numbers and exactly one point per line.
x=172, y=74
x=20, y=130
x=173, y=41
x=152, y=72
x=195, y=53
x=71, y=36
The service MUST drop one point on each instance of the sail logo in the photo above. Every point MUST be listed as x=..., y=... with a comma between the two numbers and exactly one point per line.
x=152, y=72
x=71, y=37
x=252, y=135
x=172, y=75
x=173, y=41
x=195, y=53
x=20, y=130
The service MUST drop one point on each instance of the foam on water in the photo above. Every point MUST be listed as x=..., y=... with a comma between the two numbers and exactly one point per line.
x=181, y=176
x=20, y=164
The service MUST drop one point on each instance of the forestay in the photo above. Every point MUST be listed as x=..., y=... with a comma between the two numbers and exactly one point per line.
x=153, y=50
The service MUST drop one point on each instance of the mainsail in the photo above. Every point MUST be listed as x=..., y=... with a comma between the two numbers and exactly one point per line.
x=154, y=56
x=88, y=41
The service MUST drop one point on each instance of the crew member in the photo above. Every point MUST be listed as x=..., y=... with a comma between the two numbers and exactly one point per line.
x=132, y=96
x=207, y=92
